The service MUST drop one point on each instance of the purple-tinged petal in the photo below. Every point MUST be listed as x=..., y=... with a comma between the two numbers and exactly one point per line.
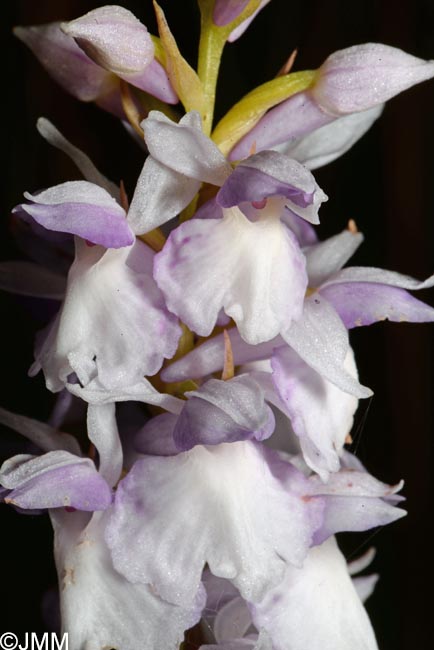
x=270, y=173
x=327, y=257
x=114, y=38
x=209, y=356
x=184, y=148
x=56, y=479
x=356, y=514
x=295, y=117
x=321, y=340
x=81, y=208
x=150, y=542
x=142, y=391
x=65, y=62
x=100, y=225
x=78, y=157
x=154, y=80
x=224, y=411
x=99, y=607
x=103, y=432
x=316, y=607
x=332, y=140
x=125, y=329
x=320, y=413
x=28, y=279
x=40, y=433
x=354, y=501
x=259, y=280
x=362, y=76
x=363, y=303
x=155, y=438
x=161, y=193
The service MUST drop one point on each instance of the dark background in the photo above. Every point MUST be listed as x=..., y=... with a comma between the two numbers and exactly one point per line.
x=385, y=183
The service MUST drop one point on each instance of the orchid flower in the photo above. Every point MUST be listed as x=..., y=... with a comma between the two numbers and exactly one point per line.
x=181, y=156
x=98, y=605
x=317, y=394
x=125, y=330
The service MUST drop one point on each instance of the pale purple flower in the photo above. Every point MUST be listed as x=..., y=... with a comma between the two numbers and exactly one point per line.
x=98, y=605
x=163, y=492
x=315, y=379
x=259, y=280
x=182, y=157
x=113, y=323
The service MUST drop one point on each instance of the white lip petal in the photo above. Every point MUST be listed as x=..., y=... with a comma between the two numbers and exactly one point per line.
x=99, y=607
x=255, y=272
x=113, y=323
x=216, y=491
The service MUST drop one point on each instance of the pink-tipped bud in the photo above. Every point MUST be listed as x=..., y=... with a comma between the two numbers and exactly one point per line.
x=360, y=77
x=114, y=38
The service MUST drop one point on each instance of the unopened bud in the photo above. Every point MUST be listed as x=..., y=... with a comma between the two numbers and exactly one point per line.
x=114, y=38
x=363, y=76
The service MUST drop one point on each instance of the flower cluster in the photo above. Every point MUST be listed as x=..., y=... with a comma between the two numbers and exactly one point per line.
x=209, y=298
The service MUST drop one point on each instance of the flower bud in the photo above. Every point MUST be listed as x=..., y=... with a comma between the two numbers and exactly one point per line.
x=363, y=76
x=65, y=62
x=114, y=38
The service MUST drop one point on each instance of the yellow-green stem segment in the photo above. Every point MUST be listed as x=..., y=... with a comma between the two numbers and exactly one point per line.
x=212, y=41
x=243, y=116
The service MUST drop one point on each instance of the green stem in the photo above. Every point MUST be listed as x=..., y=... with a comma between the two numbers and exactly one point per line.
x=211, y=45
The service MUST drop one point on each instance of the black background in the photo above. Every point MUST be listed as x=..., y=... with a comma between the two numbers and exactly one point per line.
x=385, y=183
